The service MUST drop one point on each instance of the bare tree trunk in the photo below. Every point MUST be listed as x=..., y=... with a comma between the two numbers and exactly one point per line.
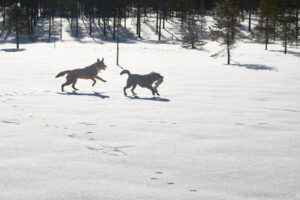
x=4, y=17
x=228, y=54
x=61, y=28
x=160, y=16
x=297, y=26
x=17, y=36
x=125, y=19
x=285, y=43
x=118, y=38
x=31, y=20
x=164, y=19
x=267, y=34
x=250, y=16
x=138, y=20
x=104, y=26
x=90, y=16
x=159, y=31
x=49, y=26
x=157, y=20
x=77, y=27
x=77, y=18
x=114, y=25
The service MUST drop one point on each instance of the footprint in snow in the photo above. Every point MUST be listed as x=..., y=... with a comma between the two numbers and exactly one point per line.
x=72, y=135
x=262, y=123
x=87, y=124
x=239, y=124
x=10, y=122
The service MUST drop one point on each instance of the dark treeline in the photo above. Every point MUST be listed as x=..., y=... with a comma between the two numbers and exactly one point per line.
x=278, y=19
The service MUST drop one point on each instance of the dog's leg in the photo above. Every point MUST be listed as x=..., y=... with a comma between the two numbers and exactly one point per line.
x=99, y=78
x=126, y=87
x=68, y=82
x=93, y=82
x=156, y=91
x=74, y=83
x=132, y=90
x=125, y=90
x=152, y=90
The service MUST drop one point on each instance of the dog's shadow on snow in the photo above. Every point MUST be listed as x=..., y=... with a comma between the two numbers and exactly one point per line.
x=95, y=94
x=149, y=98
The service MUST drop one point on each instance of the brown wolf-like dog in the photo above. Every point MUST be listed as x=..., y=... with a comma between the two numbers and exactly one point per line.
x=145, y=81
x=90, y=72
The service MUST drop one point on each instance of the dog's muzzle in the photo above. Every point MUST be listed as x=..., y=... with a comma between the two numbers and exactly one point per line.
x=158, y=82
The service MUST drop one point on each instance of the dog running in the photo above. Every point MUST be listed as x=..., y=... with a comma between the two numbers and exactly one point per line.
x=145, y=81
x=90, y=72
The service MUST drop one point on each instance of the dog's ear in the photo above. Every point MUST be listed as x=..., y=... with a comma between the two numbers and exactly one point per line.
x=102, y=60
x=98, y=60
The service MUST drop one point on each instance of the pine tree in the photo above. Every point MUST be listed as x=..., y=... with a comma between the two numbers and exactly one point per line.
x=202, y=20
x=226, y=26
x=297, y=20
x=17, y=22
x=267, y=20
x=250, y=15
x=191, y=38
x=287, y=28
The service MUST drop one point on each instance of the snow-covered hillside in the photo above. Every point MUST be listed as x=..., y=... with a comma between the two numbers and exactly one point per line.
x=217, y=132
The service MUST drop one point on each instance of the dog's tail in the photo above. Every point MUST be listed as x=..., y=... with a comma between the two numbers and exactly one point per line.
x=62, y=73
x=125, y=72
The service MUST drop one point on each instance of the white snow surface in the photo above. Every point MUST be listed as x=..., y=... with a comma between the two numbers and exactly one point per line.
x=218, y=132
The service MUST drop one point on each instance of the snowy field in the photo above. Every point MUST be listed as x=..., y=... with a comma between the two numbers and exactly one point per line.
x=218, y=132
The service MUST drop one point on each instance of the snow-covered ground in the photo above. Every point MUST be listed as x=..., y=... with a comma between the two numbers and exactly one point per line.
x=217, y=132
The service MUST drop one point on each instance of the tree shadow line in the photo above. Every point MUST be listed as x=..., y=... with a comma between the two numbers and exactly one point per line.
x=294, y=53
x=256, y=67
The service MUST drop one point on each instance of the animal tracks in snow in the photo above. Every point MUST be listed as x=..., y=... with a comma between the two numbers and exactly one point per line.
x=92, y=144
x=159, y=175
x=163, y=122
x=10, y=122
x=87, y=124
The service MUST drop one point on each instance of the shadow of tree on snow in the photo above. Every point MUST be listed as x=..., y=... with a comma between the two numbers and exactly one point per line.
x=294, y=53
x=12, y=50
x=256, y=67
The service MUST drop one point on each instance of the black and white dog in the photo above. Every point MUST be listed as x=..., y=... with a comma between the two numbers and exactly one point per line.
x=145, y=81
